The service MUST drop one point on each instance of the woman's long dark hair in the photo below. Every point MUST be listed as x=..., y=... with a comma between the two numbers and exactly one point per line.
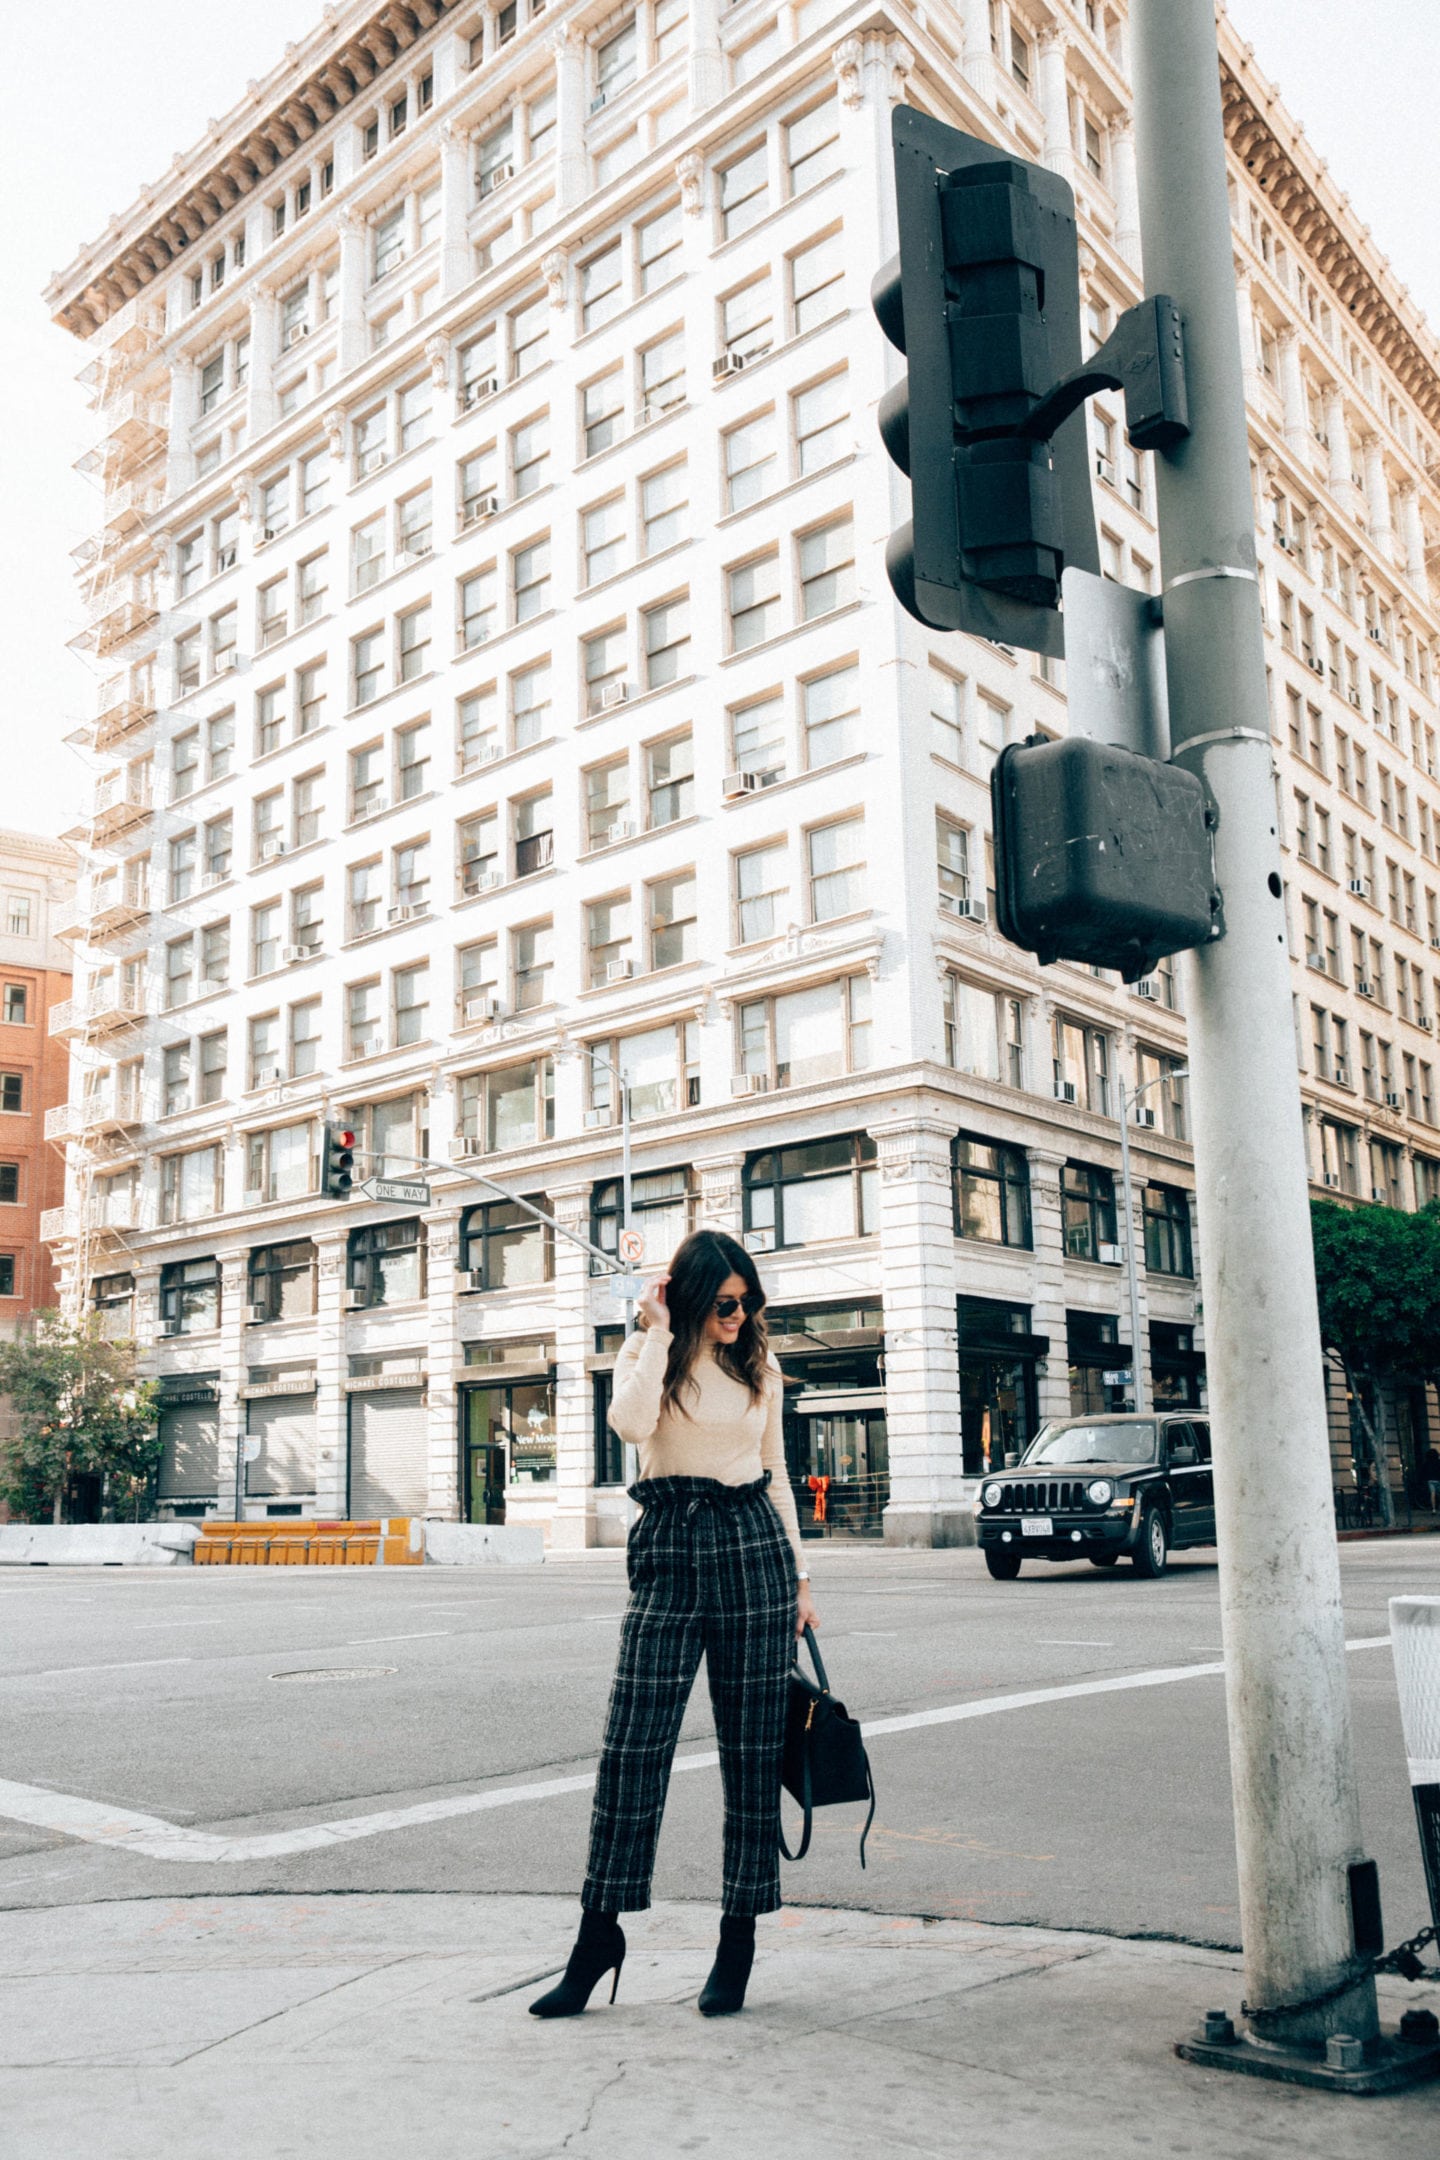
x=701, y=1263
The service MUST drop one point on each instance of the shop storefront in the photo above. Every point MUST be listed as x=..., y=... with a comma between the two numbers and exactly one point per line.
x=280, y=1425
x=1177, y=1368
x=388, y=1445
x=189, y=1477
x=836, y=1445
x=507, y=1426
x=1100, y=1364
x=998, y=1357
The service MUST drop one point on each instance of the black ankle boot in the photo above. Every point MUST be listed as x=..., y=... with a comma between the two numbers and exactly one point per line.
x=599, y=1946
x=724, y=1991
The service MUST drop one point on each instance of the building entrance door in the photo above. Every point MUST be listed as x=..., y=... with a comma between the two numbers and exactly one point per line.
x=840, y=1461
x=485, y=1434
x=996, y=1422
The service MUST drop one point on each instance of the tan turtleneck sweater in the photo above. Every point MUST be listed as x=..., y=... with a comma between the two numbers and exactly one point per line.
x=725, y=1435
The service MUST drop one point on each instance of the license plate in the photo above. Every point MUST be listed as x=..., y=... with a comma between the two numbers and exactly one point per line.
x=1037, y=1526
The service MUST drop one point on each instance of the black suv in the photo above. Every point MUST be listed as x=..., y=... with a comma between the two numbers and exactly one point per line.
x=1092, y=1488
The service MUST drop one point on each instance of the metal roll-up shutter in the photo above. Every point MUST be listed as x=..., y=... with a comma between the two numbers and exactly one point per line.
x=388, y=1444
x=190, y=1465
x=285, y=1427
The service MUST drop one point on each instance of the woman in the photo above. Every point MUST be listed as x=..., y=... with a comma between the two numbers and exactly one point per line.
x=715, y=1564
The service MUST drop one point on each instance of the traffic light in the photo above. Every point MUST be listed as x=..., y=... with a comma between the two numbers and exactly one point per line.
x=984, y=301
x=337, y=1162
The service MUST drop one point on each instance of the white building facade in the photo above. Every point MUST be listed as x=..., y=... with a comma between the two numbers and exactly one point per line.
x=504, y=705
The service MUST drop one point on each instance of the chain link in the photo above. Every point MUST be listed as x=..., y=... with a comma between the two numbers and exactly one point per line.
x=1403, y=1959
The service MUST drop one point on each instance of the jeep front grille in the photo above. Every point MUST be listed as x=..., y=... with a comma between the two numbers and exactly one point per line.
x=1045, y=1498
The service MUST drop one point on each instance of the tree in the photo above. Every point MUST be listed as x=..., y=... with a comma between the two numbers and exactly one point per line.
x=1377, y=1274
x=79, y=1408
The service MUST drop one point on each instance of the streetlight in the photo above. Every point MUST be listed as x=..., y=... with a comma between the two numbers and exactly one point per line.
x=1127, y=1217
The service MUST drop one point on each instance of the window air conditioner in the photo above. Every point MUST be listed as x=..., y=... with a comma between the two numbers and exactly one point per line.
x=619, y=970
x=740, y=783
x=256, y=1315
x=479, y=1005
x=403, y=914
x=170, y=1327
x=623, y=830
x=489, y=881
x=759, y=1241
x=368, y=810
x=1331, y=1177
x=484, y=506
x=1394, y=1101
x=1316, y=960
x=472, y=394
x=1342, y=1076
x=1364, y=987
x=267, y=1076
x=1109, y=1255
x=728, y=363
x=1377, y=1192
x=1065, y=1090
x=1315, y=665
x=461, y=1146
x=1423, y=1020
x=614, y=693
x=472, y=1278
x=596, y=1118
x=291, y=955
x=597, y=103
x=227, y=661
x=212, y=878
x=1148, y=987
x=1360, y=886
x=294, y=334
x=270, y=849
x=1145, y=1116
x=354, y=1300
x=973, y=911
x=1105, y=470
x=748, y=1083
x=1282, y=539
x=498, y=175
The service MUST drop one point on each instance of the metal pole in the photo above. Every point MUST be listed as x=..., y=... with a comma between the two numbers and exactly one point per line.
x=1297, y=1821
x=624, y=1087
x=1127, y=1220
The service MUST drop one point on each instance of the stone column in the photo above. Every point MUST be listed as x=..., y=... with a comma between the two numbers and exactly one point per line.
x=1048, y=1303
x=981, y=71
x=1126, y=191
x=572, y=1525
x=456, y=197
x=1412, y=529
x=332, y=1369
x=1135, y=1231
x=572, y=162
x=184, y=412
x=928, y=1496
x=1292, y=393
x=260, y=410
x=350, y=292
x=1249, y=357
x=442, y=1351
x=1054, y=104
x=1377, y=496
x=1342, y=475
x=707, y=59
x=234, y=1372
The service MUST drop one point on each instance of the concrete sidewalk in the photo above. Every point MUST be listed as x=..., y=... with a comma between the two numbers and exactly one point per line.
x=365, y=2027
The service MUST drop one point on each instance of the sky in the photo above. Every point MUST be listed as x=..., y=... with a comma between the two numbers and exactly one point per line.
x=143, y=78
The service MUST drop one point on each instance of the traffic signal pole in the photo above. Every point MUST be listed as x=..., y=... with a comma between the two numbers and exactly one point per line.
x=1297, y=1817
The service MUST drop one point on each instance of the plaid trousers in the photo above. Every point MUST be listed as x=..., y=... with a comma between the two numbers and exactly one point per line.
x=710, y=1569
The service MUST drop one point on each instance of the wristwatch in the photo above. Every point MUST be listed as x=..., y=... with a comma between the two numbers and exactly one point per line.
x=802, y=1574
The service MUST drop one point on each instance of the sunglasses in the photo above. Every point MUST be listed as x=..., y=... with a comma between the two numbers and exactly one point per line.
x=725, y=1308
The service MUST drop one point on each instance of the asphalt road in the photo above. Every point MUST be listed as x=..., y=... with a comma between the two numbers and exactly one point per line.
x=155, y=1694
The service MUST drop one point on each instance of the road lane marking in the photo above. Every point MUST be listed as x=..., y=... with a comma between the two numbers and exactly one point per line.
x=353, y=1642
x=61, y=1672
x=1072, y=1642
x=126, y=1830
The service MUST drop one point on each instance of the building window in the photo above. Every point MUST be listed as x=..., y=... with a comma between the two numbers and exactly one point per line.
x=530, y=579
x=820, y=419
x=12, y=1092
x=607, y=799
x=811, y=1195
x=506, y=1247
x=479, y=595
x=15, y=1004
x=670, y=780
x=9, y=1184
x=830, y=708
x=1167, y=1230
x=17, y=915
x=514, y=1107
x=752, y=461
x=812, y=146
x=992, y=1191
x=304, y=1039
x=530, y=963
x=673, y=920
x=753, y=602
x=805, y=1036
x=817, y=283
x=667, y=642
x=386, y=1264
x=367, y=667
x=757, y=740
x=1082, y=1065
x=1087, y=1203
x=1162, y=1080
x=534, y=833
x=282, y=1281
x=281, y=1164
x=412, y=1004
x=607, y=939
x=827, y=568
x=762, y=887
x=836, y=866
x=189, y=1296
x=112, y=1298
x=659, y=1068
x=602, y=539
x=661, y=1204
x=364, y=1032
x=744, y=192
x=984, y=1032
x=479, y=842
x=190, y=1185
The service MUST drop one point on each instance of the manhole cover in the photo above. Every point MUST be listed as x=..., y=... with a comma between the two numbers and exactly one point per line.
x=337, y=1672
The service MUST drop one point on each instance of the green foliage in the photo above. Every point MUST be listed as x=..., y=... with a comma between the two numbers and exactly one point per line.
x=79, y=1408
x=1377, y=1273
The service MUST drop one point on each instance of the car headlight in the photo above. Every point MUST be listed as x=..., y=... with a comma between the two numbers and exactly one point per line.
x=1100, y=1493
x=992, y=1494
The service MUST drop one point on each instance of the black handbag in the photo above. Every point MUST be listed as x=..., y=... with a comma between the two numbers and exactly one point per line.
x=824, y=1760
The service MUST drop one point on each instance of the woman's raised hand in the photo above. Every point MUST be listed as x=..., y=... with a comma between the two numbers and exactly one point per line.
x=652, y=1308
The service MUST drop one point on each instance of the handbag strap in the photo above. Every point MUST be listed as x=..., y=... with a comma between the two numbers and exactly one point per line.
x=809, y=1823
x=814, y=1648
x=870, y=1779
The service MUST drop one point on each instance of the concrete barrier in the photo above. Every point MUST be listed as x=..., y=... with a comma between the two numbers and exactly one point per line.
x=97, y=1544
x=452, y=1544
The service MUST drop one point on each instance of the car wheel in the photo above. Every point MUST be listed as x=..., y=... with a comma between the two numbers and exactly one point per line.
x=1153, y=1551
x=1004, y=1566
x=1103, y=1559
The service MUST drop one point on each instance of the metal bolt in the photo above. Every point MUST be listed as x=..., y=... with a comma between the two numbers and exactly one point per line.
x=1421, y=2027
x=1344, y=2052
x=1219, y=2029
